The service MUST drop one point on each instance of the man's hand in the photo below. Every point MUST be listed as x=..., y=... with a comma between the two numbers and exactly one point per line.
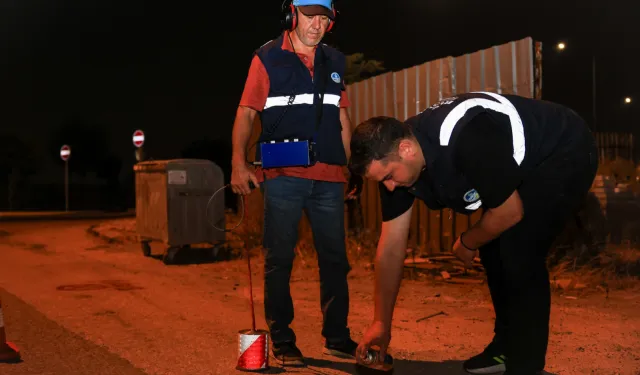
x=377, y=334
x=354, y=188
x=463, y=253
x=241, y=174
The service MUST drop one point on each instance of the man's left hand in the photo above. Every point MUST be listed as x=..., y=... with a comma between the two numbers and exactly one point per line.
x=354, y=187
x=463, y=253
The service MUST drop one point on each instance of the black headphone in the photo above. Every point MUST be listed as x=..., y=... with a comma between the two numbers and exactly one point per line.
x=289, y=19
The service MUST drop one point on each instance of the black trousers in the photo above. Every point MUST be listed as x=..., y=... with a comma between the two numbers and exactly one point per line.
x=515, y=262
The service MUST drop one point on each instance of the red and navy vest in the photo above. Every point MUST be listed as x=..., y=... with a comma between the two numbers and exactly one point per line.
x=290, y=112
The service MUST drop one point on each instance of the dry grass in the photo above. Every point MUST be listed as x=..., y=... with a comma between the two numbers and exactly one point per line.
x=579, y=266
x=572, y=267
x=612, y=268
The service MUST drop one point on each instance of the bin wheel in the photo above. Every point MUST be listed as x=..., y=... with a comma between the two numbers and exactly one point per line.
x=219, y=251
x=146, y=248
x=170, y=255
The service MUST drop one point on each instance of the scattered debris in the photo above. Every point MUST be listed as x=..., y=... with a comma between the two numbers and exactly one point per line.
x=431, y=316
x=445, y=275
x=604, y=289
x=119, y=285
x=468, y=280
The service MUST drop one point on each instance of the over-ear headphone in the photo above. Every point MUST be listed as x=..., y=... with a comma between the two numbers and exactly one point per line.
x=289, y=19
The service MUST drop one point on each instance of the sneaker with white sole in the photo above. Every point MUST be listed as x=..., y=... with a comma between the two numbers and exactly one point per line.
x=346, y=349
x=492, y=360
x=288, y=354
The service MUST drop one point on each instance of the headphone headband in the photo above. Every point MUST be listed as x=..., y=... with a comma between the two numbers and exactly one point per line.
x=289, y=19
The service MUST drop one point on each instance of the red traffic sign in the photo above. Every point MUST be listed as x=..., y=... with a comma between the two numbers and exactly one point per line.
x=65, y=152
x=138, y=138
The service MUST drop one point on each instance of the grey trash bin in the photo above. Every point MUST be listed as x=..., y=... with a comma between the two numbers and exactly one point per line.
x=174, y=205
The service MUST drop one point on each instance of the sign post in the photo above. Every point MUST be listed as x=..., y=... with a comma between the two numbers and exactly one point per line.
x=65, y=154
x=138, y=141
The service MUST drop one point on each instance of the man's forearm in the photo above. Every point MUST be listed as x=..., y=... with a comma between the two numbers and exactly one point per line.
x=346, y=142
x=345, y=122
x=488, y=228
x=389, y=269
x=483, y=232
x=242, y=129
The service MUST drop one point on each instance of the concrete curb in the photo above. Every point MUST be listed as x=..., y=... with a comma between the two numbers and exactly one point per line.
x=112, y=240
x=74, y=215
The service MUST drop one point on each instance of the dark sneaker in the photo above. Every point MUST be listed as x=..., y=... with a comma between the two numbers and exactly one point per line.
x=492, y=360
x=345, y=349
x=288, y=354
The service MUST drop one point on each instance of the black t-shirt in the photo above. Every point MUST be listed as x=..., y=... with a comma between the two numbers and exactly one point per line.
x=483, y=153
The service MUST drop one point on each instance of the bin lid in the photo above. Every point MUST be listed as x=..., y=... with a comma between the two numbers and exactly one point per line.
x=163, y=165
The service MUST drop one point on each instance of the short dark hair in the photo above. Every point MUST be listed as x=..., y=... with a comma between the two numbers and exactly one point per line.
x=376, y=139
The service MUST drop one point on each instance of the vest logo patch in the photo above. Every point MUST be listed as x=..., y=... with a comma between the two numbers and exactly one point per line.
x=335, y=77
x=471, y=196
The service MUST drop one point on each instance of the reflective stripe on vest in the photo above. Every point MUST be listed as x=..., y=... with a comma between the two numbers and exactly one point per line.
x=281, y=101
x=503, y=106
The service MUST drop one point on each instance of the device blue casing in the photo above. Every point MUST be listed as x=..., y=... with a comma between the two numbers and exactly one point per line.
x=287, y=154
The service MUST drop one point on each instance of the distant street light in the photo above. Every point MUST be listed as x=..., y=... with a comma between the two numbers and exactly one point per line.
x=627, y=100
x=561, y=46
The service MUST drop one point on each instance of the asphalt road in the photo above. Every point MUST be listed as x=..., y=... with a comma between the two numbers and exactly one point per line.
x=122, y=309
x=75, y=304
x=47, y=348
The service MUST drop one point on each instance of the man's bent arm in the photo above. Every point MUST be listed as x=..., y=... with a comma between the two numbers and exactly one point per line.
x=389, y=266
x=494, y=222
x=242, y=129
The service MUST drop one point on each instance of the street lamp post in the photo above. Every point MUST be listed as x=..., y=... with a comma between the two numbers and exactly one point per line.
x=593, y=90
x=561, y=46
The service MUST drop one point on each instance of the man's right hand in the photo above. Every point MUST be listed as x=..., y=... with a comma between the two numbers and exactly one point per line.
x=241, y=174
x=377, y=334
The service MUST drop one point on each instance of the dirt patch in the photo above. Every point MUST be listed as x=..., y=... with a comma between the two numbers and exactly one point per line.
x=119, y=285
x=99, y=247
x=80, y=287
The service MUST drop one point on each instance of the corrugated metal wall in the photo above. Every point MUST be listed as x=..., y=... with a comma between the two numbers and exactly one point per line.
x=506, y=68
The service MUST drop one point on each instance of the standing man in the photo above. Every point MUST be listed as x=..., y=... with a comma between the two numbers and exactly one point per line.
x=528, y=163
x=295, y=85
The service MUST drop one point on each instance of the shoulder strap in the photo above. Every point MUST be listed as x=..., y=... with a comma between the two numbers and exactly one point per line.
x=320, y=74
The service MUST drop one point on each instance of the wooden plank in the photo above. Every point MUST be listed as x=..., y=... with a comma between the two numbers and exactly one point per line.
x=409, y=99
x=523, y=64
x=435, y=231
x=491, y=78
x=461, y=224
x=461, y=75
x=505, y=66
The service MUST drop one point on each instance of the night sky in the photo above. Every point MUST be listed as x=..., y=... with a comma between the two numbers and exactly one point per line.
x=177, y=69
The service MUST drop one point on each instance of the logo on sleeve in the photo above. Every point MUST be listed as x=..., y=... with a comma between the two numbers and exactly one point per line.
x=335, y=77
x=471, y=196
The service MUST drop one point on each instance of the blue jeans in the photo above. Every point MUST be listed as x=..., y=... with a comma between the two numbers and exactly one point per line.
x=285, y=198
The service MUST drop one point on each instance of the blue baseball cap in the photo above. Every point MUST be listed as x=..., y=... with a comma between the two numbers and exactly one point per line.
x=315, y=7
